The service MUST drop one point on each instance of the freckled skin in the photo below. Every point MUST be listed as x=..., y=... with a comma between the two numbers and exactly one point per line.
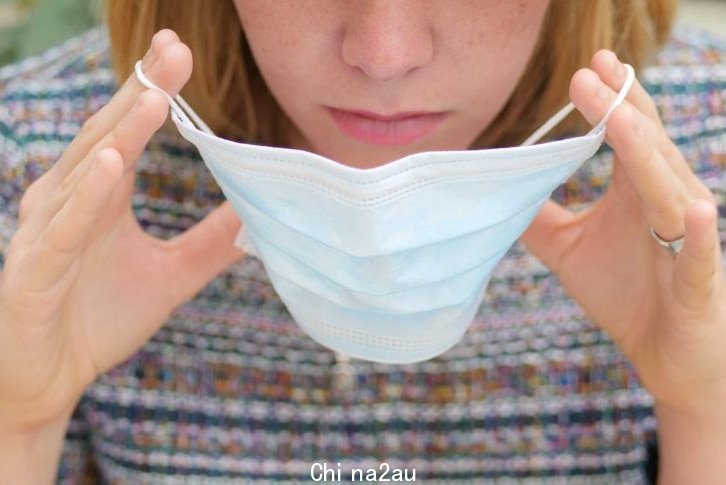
x=460, y=56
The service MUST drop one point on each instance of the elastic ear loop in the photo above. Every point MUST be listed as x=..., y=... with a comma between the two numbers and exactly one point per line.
x=179, y=107
x=562, y=114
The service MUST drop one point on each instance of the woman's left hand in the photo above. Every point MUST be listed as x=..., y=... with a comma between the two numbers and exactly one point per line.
x=666, y=313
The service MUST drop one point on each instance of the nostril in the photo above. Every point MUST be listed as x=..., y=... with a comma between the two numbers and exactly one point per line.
x=387, y=50
x=383, y=63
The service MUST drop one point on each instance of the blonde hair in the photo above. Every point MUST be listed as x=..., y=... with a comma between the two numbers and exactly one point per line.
x=231, y=96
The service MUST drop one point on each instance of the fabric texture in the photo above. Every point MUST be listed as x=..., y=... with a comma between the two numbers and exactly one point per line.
x=230, y=390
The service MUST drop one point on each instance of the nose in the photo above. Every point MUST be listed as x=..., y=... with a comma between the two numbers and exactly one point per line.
x=387, y=39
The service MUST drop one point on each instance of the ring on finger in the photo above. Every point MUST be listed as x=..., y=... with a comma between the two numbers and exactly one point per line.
x=674, y=246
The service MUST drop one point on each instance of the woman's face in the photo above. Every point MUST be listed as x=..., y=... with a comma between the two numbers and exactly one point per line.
x=369, y=81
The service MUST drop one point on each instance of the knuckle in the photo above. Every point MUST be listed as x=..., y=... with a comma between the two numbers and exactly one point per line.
x=52, y=242
x=91, y=126
x=650, y=104
x=153, y=101
x=690, y=282
x=159, y=108
x=28, y=204
x=11, y=303
x=683, y=195
x=112, y=139
x=651, y=109
x=701, y=281
x=703, y=192
x=33, y=197
x=623, y=115
x=121, y=144
x=671, y=150
x=65, y=189
x=20, y=304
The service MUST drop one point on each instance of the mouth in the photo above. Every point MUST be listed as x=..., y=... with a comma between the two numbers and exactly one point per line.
x=388, y=130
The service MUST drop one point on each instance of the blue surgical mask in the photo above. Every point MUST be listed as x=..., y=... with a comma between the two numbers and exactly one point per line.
x=387, y=264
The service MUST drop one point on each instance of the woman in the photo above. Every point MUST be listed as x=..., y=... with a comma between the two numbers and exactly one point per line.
x=543, y=386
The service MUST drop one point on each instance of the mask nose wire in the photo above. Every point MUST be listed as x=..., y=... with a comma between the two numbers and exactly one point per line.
x=179, y=107
x=561, y=114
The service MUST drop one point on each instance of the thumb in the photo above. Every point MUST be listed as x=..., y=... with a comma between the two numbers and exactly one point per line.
x=698, y=266
x=202, y=252
x=547, y=237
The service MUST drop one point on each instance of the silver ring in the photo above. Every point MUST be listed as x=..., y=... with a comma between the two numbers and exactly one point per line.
x=674, y=247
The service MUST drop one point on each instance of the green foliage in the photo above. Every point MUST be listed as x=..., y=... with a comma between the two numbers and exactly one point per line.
x=31, y=26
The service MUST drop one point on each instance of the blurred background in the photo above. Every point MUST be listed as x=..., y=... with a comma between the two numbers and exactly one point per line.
x=31, y=26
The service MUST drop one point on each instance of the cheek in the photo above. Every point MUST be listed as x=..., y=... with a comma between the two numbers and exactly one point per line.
x=285, y=39
x=274, y=33
x=494, y=47
x=522, y=17
x=503, y=27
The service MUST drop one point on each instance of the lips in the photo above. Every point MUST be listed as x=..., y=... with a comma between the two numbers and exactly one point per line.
x=376, y=129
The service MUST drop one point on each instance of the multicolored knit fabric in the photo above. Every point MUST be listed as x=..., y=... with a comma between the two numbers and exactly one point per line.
x=230, y=390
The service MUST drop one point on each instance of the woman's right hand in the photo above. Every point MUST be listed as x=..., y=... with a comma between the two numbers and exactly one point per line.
x=83, y=286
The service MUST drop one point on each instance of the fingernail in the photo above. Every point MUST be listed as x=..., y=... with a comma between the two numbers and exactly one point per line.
x=148, y=59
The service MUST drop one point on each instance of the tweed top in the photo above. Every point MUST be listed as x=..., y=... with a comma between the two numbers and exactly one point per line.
x=230, y=390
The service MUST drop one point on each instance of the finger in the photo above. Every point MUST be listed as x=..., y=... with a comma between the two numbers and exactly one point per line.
x=61, y=244
x=663, y=195
x=698, y=265
x=202, y=252
x=551, y=234
x=128, y=138
x=103, y=121
x=612, y=72
x=169, y=67
x=634, y=138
